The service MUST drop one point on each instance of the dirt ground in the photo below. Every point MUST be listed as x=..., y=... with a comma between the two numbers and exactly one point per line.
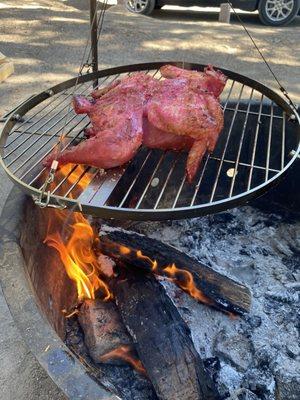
x=45, y=39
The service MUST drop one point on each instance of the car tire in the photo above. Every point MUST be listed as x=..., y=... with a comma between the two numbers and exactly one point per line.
x=278, y=12
x=144, y=7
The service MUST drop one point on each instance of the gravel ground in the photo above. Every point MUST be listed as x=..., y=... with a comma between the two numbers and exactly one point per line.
x=45, y=39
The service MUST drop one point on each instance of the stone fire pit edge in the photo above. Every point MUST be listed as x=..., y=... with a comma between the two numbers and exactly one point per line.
x=47, y=347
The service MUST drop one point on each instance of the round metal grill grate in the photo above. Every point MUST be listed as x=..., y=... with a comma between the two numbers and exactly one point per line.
x=258, y=144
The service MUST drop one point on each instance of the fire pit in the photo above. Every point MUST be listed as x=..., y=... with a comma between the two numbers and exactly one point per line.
x=254, y=355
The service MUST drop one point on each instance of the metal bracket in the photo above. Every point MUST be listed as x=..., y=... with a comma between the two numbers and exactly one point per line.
x=43, y=200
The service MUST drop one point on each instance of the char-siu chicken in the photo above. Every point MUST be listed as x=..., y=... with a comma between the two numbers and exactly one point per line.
x=181, y=112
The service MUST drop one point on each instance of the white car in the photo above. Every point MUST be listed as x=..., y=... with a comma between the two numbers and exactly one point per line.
x=271, y=12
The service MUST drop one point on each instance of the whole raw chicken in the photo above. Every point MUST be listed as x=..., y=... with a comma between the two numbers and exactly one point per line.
x=181, y=112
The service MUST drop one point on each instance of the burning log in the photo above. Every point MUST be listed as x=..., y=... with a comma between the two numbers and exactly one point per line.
x=197, y=279
x=161, y=338
x=103, y=329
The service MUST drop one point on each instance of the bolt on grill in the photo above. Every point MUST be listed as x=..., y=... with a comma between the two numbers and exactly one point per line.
x=252, y=152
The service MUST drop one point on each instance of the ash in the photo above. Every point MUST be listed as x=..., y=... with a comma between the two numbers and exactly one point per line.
x=257, y=356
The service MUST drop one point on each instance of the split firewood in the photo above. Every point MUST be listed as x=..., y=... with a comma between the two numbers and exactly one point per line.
x=103, y=329
x=161, y=338
x=195, y=278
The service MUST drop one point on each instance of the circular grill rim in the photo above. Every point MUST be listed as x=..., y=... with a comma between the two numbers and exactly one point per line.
x=151, y=214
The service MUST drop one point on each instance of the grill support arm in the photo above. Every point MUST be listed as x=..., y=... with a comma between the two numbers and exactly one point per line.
x=94, y=40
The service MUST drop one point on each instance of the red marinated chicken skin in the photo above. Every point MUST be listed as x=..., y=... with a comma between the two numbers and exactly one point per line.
x=210, y=80
x=181, y=112
x=116, y=116
x=182, y=108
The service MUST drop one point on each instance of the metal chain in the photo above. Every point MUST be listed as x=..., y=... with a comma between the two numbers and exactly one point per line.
x=99, y=24
x=43, y=200
x=282, y=89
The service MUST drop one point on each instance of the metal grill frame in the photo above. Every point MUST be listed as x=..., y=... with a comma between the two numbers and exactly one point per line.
x=150, y=214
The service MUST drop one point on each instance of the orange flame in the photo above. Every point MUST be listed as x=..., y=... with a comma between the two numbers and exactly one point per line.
x=78, y=257
x=181, y=277
x=185, y=280
x=124, y=250
x=125, y=353
x=153, y=263
x=75, y=174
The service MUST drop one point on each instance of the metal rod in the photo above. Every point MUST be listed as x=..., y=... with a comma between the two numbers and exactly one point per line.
x=65, y=178
x=94, y=40
x=244, y=164
x=199, y=181
x=48, y=152
x=166, y=181
x=255, y=143
x=36, y=130
x=254, y=113
x=53, y=147
x=77, y=181
x=17, y=129
x=225, y=147
x=150, y=180
x=135, y=179
x=179, y=191
x=240, y=145
x=209, y=155
x=283, y=140
x=269, y=145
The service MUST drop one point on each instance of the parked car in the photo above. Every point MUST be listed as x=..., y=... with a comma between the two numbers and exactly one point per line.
x=271, y=12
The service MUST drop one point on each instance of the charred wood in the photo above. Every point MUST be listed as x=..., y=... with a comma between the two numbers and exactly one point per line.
x=144, y=253
x=103, y=328
x=161, y=338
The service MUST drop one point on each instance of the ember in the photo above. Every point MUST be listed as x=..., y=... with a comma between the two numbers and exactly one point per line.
x=125, y=353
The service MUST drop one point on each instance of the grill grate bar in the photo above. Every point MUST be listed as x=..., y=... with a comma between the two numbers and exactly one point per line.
x=255, y=143
x=269, y=143
x=69, y=111
x=240, y=145
x=225, y=147
x=199, y=181
x=179, y=191
x=166, y=182
x=77, y=181
x=45, y=143
x=39, y=136
x=135, y=179
x=244, y=164
x=65, y=178
x=18, y=128
x=36, y=122
x=255, y=113
x=46, y=122
x=283, y=140
x=52, y=148
x=150, y=180
x=197, y=187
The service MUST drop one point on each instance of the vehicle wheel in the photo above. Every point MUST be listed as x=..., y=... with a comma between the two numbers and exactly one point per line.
x=278, y=12
x=140, y=6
